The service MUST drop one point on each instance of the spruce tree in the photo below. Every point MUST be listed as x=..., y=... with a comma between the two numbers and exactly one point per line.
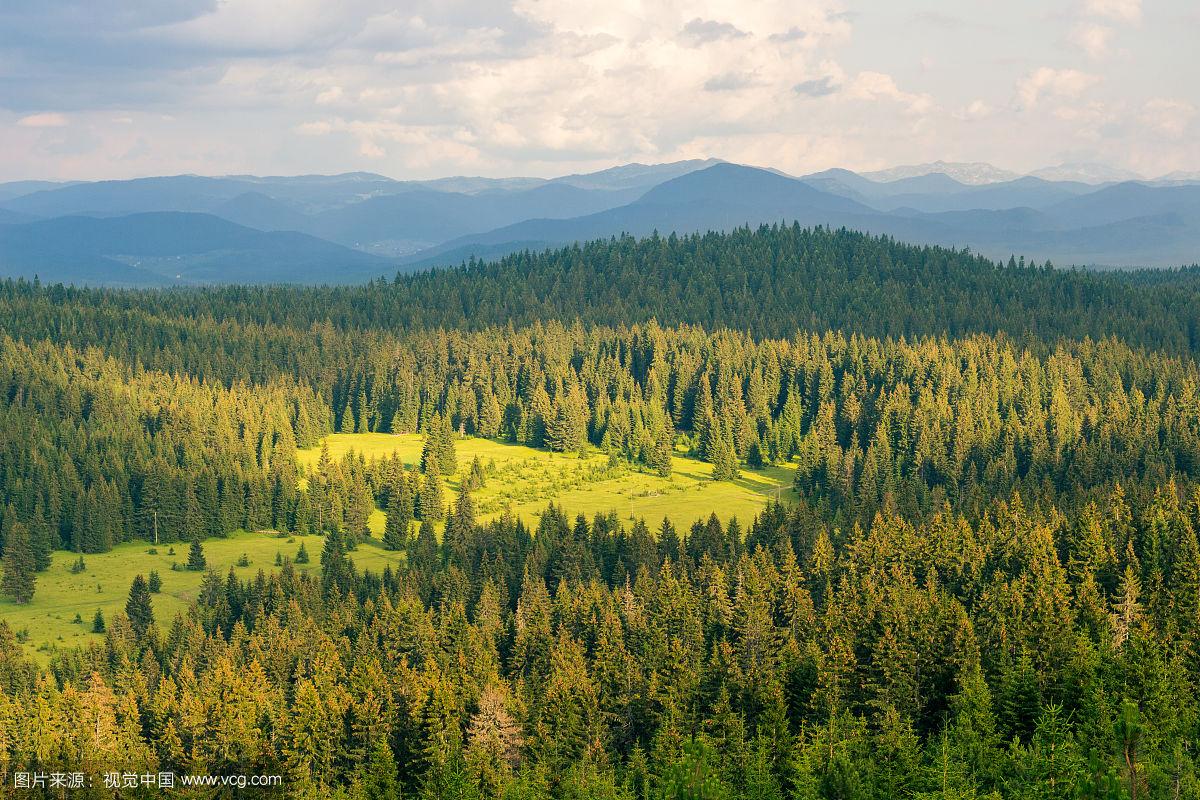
x=336, y=573
x=19, y=564
x=40, y=541
x=395, y=533
x=196, y=561
x=725, y=467
x=98, y=625
x=138, y=608
x=302, y=554
x=447, y=456
x=155, y=582
x=431, y=503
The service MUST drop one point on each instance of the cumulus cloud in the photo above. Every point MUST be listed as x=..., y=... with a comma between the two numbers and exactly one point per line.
x=973, y=111
x=1092, y=39
x=1118, y=10
x=730, y=82
x=1169, y=116
x=1048, y=82
x=880, y=86
x=703, y=31
x=816, y=87
x=432, y=87
x=45, y=120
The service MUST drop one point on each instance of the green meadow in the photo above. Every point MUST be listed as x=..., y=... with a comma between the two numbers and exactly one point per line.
x=526, y=480
x=48, y=622
x=520, y=478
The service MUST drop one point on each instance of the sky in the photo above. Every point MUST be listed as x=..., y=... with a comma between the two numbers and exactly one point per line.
x=94, y=89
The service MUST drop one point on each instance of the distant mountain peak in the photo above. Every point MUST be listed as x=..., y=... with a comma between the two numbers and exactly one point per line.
x=1086, y=172
x=972, y=173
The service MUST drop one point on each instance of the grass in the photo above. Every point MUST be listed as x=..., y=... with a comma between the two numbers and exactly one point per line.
x=104, y=585
x=527, y=480
x=521, y=478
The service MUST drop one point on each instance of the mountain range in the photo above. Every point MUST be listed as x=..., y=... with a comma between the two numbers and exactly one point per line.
x=187, y=229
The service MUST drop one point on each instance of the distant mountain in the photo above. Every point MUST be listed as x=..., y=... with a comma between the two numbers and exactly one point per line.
x=312, y=193
x=1131, y=200
x=166, y=248
x=360, y=210
x=975, y=173
x=257, y=210
x=1125, y=225
x=1179, y=176
x=17, y=188
x=355, y=225
x=635, y=176
x=1085, y=172
x=12, y=217
x=403, y=223
x=1023, y=192
x=719, y=197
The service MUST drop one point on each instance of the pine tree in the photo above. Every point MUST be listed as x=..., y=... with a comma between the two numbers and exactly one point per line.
x=138, y=608
x=431, y=501
x=336, y=572
x=40, y=541
x=302, y=554
x=19, y=564
x=98, y=625
x=196, y=561
x=662, y=451
x=155, y=582
x=725, y=467
x=395, y=532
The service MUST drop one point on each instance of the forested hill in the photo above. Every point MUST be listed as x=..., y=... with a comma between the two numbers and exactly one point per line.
x=771, y=282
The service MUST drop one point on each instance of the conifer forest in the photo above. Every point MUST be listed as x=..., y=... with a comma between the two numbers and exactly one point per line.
x=976, y=576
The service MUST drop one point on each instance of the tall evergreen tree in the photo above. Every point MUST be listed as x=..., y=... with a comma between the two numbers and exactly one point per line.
x=138, y=607
x=196, y=560
x=19, y=564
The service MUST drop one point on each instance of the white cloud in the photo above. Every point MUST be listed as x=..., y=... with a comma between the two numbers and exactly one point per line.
x=1169, y=116
x=1049, y=82
x=880, y=86
x=1092, y=39
x=1118, y=10
x=330, y=96
x=973, y=111
x=46, y=120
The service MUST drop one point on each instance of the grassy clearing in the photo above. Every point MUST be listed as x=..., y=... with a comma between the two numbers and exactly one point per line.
x=104, y=585
x=522, y=478
x=527, y=480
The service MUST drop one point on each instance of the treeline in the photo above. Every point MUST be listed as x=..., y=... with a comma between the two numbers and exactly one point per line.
x=867, y=421
x=94, y=452
x=100, y=452
x=1027, y=654
x=770, y=282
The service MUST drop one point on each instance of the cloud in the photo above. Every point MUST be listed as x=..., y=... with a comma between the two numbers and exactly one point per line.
x=730, y=81
x=792, y=34
x=1169, y=116
x=816, y=87
x=1046, y=81
x=1092, y=39
x=430, y=87
x=875, y=86
x=45, y=120
x=703, y=31
x=1117, y=10
x=973, y=111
